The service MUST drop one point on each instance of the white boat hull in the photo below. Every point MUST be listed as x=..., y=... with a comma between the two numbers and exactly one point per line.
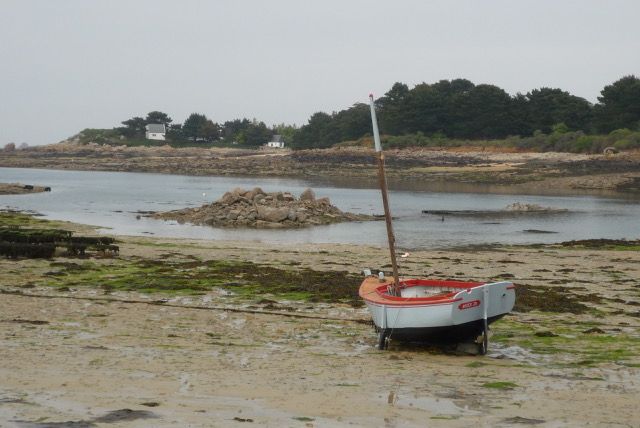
x=457, y=317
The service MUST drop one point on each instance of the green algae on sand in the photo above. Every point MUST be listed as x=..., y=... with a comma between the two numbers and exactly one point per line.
x=187, y=276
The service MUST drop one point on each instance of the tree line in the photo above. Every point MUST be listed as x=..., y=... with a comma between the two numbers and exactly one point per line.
x=432, y=114
x=198, y=129
x=460, y=109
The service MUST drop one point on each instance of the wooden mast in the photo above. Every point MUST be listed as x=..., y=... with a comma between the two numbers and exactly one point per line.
x=385, y=198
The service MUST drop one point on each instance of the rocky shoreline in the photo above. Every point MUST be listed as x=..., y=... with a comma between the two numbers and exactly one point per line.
x=514, y=209
x=21, y=189
x=531, y=172
x=260, y=210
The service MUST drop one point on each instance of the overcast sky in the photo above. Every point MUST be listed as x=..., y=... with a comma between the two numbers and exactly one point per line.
x=73, y=64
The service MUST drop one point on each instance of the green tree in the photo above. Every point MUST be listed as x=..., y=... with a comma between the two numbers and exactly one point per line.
x=353, y=122
x=231, y=129
x=288, y=132
x=560, y=128
x=319, y=132
x=192, y=127
x=619, y=105
x=483, y=112
x=391, y=107
x=520, y=115
x=210, y=131
x=255, y=134
x=158, y=117
x=547, y=107
x=425, y=110
x=134, y=127
x=174, y=132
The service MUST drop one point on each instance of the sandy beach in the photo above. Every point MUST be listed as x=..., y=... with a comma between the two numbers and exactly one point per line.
x=86, y=354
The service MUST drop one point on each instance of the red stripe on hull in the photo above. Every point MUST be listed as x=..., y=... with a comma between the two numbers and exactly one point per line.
x=413, y=305
x=375, y=292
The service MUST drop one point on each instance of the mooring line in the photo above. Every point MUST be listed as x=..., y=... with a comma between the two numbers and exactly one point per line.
x=172, y=305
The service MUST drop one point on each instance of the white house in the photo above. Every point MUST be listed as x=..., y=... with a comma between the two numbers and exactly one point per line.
x=276, y=142
x=155, y=131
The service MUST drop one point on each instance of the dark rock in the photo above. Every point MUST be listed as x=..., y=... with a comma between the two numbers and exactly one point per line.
x=273, y=214
x=523, y=421
x=546, y=333
x=308, y=195
x=229, y=198
x=251, y=195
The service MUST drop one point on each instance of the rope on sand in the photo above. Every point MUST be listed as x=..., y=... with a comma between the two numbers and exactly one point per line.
x=172, y=305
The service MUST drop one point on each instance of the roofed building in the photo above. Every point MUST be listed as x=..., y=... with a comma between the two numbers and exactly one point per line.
x=155, y=131
x=276, y=142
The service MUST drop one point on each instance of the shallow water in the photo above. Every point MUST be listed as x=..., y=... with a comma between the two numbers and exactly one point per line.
x=112, y=199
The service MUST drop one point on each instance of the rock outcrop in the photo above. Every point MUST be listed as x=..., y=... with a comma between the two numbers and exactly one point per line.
x=19, y=189
x=258, y=209
x=518, y=207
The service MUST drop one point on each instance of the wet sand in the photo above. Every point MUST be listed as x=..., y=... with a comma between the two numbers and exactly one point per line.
x=80, y=355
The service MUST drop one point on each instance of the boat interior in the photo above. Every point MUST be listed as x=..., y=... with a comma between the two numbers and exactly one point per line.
x=422, y=291
x=432, y=288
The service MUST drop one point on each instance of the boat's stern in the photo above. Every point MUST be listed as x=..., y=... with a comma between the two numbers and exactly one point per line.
x=500, y=297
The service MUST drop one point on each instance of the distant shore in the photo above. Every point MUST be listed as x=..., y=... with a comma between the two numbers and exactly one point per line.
x=527, y=172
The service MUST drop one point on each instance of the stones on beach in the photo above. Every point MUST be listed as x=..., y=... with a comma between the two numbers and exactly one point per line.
x=18, y=188
x=272, y=214
x=514, y=209
x=307, y=195
x=258, y=209
x=519, y=207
